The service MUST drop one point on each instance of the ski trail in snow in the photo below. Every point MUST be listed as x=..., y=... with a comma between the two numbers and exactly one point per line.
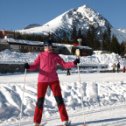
x=76, y=118
x=117, y=122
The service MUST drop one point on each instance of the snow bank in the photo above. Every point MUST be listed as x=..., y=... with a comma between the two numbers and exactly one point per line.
x=94, y=94
x=8, y=56
x=97, y=59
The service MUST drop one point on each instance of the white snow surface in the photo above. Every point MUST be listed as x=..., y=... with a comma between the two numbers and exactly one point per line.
x=97, y=59
x=103, y=94
x=120, y=34
x=122, y=30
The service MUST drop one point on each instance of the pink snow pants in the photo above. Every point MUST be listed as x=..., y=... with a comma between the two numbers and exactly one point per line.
x=55, y=87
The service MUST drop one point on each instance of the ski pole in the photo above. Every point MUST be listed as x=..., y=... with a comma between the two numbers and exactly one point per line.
x=78, y=56
x=21, y=107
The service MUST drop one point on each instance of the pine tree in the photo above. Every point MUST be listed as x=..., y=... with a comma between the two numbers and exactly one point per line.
x=79, y=35
x=106, y=41
x=74, y=34
x=114, y=45
x=91, y=37
x=65, y=38
x=123, y=48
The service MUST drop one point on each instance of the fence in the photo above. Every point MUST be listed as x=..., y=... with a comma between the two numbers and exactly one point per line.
x=11, y=68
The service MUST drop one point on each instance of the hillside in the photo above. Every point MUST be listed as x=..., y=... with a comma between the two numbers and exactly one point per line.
x=82, y=18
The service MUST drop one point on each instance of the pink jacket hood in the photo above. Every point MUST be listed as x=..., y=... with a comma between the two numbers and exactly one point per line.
x=47, y=64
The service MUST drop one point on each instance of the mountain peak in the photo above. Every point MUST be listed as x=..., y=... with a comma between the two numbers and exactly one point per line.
x=82, y=18
x=32, y=26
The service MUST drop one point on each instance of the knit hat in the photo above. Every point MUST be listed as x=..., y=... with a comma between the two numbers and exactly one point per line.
x=48, y=43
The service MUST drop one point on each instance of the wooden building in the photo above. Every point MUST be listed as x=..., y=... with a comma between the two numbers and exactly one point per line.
x=3, y=44
x=36, y=46
x=4, y=33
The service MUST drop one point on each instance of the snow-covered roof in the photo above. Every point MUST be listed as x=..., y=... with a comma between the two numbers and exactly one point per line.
x=11, y=40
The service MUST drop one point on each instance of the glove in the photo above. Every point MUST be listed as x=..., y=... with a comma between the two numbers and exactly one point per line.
x=76, y=61
x=26, y=66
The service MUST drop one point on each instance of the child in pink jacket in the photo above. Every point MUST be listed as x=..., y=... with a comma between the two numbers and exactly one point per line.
x=47, y=63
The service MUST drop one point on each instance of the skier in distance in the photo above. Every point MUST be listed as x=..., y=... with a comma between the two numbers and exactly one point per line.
x=47, y=62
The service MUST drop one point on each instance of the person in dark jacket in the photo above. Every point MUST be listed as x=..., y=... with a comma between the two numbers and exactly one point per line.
x=118, y=66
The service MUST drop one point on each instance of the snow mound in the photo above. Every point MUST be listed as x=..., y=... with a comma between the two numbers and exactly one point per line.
x=98, y=58
x=93, y=94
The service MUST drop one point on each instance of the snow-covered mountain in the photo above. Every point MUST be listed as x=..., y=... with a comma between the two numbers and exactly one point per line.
x=32, y=26
x=120, y=34
x=122, y=30
x=82, y=17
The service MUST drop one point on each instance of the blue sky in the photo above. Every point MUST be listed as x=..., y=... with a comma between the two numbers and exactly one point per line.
x=16, y=14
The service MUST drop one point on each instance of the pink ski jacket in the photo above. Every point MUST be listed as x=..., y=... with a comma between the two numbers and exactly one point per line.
x=47, y=64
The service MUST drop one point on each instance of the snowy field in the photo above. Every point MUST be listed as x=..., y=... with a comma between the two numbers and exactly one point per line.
x=103, y=94
x=104, y=99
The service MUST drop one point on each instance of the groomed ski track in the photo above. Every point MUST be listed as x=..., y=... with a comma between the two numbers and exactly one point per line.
x=102, y=116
